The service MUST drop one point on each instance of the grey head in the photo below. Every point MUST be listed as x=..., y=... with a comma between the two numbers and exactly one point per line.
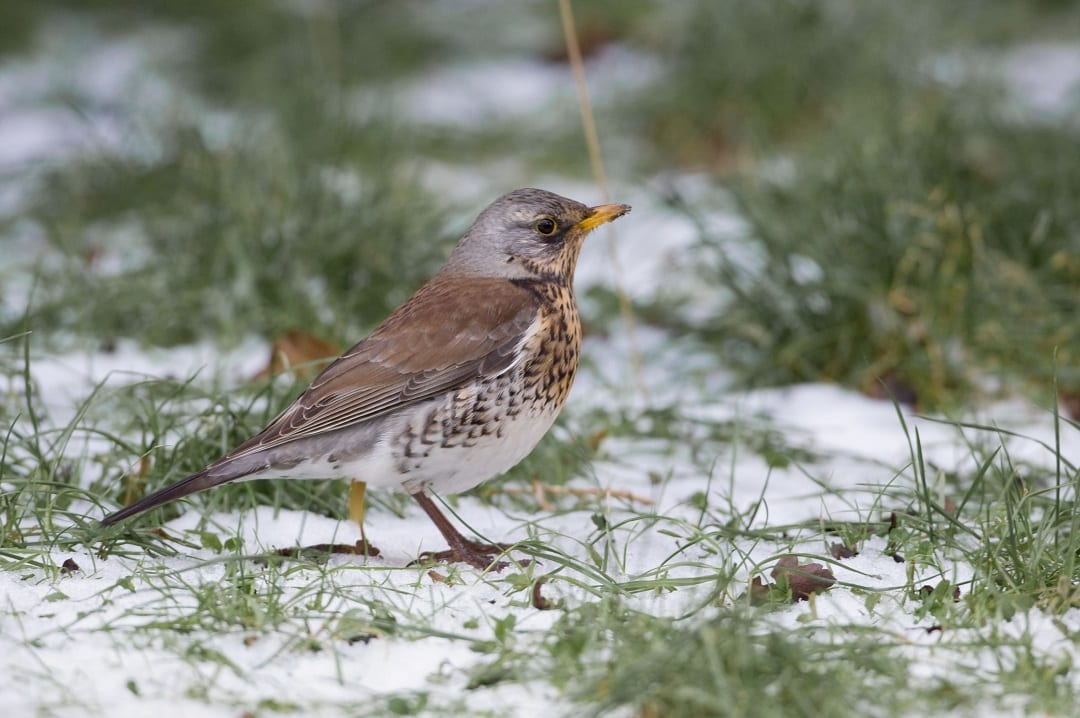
x=528, y=233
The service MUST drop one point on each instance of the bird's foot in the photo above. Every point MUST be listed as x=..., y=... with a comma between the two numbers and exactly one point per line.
x=477, y=554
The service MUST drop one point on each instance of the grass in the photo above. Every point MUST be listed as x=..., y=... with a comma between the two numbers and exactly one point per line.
x=956, y=240
x=905, y=237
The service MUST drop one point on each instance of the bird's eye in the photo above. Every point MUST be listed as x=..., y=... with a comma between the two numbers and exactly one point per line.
x=546, y=226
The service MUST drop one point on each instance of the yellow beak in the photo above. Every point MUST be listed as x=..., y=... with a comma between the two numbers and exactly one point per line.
x=601, y=214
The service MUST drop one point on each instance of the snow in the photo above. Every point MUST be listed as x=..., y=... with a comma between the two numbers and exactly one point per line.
x=505, y=89
x=1045, y=77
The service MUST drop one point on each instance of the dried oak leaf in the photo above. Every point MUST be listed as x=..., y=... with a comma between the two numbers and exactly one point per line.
x=298, y=352
x=803, y=579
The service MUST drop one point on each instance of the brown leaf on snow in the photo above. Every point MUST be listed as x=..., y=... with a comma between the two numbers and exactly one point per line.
x=539, y=602
x=839, y=551
x=321, y=551
x=803, y=579
x=928, y=590
x=759, y=591
x=1070, y=403
x=892, y=386
x=69, y=567
x=592, y=39
x=299, y=352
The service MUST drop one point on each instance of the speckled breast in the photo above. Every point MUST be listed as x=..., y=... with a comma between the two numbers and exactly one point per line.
x=486, y=427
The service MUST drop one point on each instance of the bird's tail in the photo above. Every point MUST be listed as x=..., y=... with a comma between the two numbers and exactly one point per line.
x=184, y=487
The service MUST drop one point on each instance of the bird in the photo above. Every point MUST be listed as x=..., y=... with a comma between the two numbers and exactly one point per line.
x=455, y=387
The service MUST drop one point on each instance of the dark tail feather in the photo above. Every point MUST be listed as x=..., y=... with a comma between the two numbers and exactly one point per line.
x=184, y=487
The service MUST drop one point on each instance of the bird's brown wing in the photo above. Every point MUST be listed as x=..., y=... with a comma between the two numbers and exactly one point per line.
x=450, y=331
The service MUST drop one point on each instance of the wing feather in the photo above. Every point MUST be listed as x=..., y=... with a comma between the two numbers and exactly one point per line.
x=450, y=332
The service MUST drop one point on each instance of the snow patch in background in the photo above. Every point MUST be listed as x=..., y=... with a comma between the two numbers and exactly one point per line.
x=1045, y=77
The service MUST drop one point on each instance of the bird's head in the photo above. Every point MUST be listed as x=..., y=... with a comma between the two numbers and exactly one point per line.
x=529, y=233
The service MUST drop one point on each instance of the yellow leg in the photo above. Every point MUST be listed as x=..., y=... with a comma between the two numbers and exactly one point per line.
x=357, y=505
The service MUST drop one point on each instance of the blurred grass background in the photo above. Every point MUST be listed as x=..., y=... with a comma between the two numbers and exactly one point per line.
x=906, y=233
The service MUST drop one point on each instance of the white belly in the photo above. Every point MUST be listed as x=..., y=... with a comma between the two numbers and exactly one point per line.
x=421, y=447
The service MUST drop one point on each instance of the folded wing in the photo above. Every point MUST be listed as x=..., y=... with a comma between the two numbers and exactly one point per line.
x=448, y=333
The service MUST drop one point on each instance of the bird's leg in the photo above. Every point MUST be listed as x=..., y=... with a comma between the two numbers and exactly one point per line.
x=475, y=553
x=357, y=510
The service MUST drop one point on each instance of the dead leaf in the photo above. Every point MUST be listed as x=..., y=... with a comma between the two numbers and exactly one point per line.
x=759, y=591
x=928, y=590
x=321, y=551
x=298, y=352
x=69, y=567
x=1070, y=402
x=436, y=576
x=803, y=579
x=892, y=387
x=839, y=551
x=538, y=601
x=592, y=39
